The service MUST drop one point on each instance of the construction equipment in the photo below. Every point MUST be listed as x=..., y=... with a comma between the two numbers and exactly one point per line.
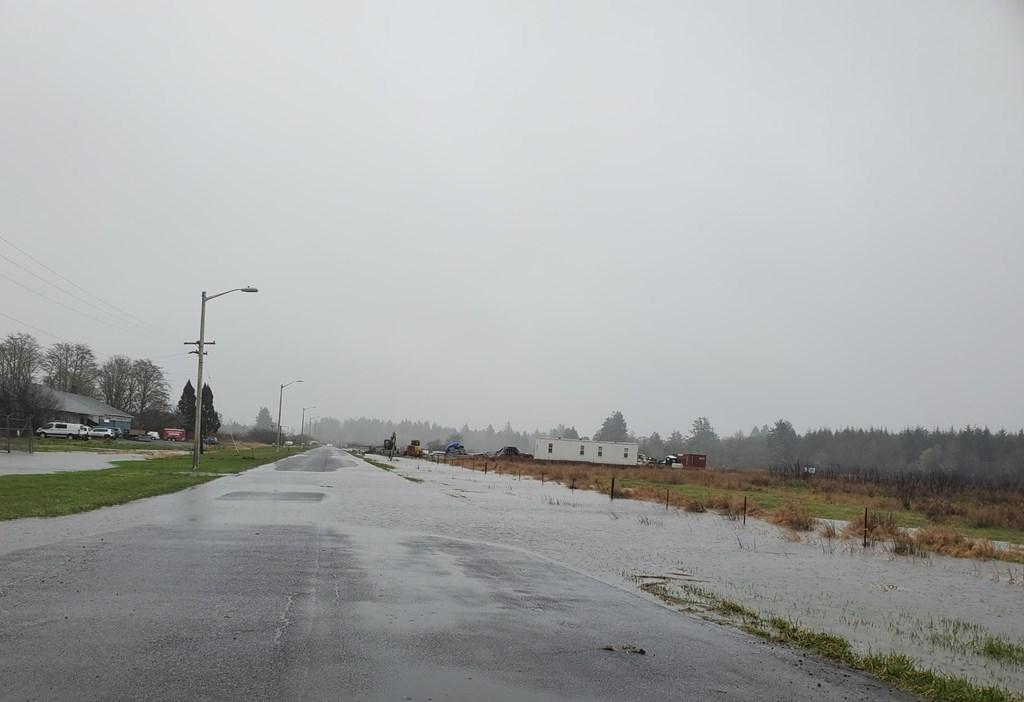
x=414, y=449
x=455, y=448
x=390, y=446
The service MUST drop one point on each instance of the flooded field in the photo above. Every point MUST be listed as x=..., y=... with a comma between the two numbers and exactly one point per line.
x=955, y=616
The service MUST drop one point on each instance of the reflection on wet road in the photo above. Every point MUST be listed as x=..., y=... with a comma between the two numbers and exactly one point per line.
x=282, y=584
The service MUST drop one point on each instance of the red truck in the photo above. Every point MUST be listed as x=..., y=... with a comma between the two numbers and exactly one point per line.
x=172, y=434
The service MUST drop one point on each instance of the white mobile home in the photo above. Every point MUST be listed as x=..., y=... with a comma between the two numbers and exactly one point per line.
x=619, y=453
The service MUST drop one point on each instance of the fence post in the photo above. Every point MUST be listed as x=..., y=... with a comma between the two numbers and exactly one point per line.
x=611, y=493
x=542, y=480
x=744, y=510
x=666, y=499
x=572, y=486
x=865, y=527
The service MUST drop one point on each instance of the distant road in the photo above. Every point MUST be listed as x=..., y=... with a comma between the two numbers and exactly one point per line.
x=324, y=578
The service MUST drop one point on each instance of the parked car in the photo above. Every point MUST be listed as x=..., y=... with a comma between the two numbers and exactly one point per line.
x=211, y=440
x=63, y=430
x=154, y=435
x=102, y=433
x=171, y=434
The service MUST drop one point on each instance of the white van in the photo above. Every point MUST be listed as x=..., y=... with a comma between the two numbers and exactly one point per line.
x=66, y=430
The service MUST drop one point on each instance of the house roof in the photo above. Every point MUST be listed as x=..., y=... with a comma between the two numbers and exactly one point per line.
x=80, y=404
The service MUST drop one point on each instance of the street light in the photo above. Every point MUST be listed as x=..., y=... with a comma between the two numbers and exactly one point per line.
x=280, y=399
x=201, y=344
x=303, y=430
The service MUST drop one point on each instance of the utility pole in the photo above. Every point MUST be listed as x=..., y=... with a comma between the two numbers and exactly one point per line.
x=302, y=431
x=280, y=402
x=197, y=441
x=200, y=345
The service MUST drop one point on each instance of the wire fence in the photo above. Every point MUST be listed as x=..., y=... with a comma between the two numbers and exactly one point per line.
x=17, y=434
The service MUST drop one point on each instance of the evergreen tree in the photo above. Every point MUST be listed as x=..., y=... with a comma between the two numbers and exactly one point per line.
x=187, y=408
x=264, y=422
x=210, y=420
x=783, y=443
x=703, y=438
x=674, y=444
x=653, y=446
x=613, y=429
x=571, y=433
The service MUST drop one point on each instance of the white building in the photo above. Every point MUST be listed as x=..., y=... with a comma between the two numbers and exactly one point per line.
x=620, y=453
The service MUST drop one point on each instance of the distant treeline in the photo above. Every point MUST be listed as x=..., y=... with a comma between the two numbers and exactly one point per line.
x=974, y=455
x=971, y=455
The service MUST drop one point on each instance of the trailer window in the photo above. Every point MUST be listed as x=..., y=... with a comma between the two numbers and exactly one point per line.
x=625, y=453
x=581, y=449
x=551, y=448
x=600, y=451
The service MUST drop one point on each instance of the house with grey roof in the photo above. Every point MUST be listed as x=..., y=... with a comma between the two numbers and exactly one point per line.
x=69, y=407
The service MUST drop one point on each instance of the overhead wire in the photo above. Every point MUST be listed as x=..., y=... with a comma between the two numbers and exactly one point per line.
x=33, y=328
x=57, y=287
x=66, y=305
x=25, y=253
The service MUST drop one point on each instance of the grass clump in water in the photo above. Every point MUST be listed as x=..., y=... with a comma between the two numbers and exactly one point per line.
x=1003, y=651
x=901, y=671
x=894, y=668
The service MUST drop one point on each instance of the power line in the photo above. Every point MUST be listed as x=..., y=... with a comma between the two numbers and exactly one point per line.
x=66, y=292
x=64, y=304
x=33, y=328
x=67, y=279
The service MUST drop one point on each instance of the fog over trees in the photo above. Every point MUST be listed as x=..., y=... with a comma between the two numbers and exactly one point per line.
x=976, y=454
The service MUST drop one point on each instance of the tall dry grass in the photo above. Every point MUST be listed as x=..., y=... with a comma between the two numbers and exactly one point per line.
x=972, y=506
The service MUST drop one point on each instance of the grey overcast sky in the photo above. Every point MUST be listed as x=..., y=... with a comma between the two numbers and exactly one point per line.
x=532, y=211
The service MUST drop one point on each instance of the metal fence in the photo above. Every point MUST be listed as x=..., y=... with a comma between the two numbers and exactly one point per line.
x=17, y=434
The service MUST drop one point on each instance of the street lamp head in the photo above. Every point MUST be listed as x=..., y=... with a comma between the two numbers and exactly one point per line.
x=250, y=289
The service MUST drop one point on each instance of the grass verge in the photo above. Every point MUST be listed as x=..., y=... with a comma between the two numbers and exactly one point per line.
x=373, y=462
x=389, y=468
x=56, y=494
x=107, y=446
x=897, y=669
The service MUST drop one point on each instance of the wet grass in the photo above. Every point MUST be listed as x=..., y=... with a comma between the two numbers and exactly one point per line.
x=56, y=494
x=107, y=446
x=389, y=467
x=1002, y=650
x=894, y=668
x=373, y=462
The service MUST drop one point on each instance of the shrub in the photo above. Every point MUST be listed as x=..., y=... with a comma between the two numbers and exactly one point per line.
x=694, y=506
x=794, y=516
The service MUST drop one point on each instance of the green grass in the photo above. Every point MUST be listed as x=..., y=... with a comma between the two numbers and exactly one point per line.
x=902, y=672
x=1002, y=650
x=105, y=445
x=383, y=466
x=894, y=668
x=389, y=467
x=56, y=494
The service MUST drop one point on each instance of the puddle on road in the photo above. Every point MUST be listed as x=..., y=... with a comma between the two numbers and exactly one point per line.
x=331, y=464
x=274, y=496
x=306, y=469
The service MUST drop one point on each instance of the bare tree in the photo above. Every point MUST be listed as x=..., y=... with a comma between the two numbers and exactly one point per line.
x=20, y=356
x=151, y=389
x=71, y=368
x=117, y=383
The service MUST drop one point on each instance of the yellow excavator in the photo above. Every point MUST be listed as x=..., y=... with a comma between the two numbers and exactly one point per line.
x=414, y=449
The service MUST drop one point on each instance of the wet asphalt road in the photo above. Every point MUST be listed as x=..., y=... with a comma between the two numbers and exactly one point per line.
x=267, y=586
